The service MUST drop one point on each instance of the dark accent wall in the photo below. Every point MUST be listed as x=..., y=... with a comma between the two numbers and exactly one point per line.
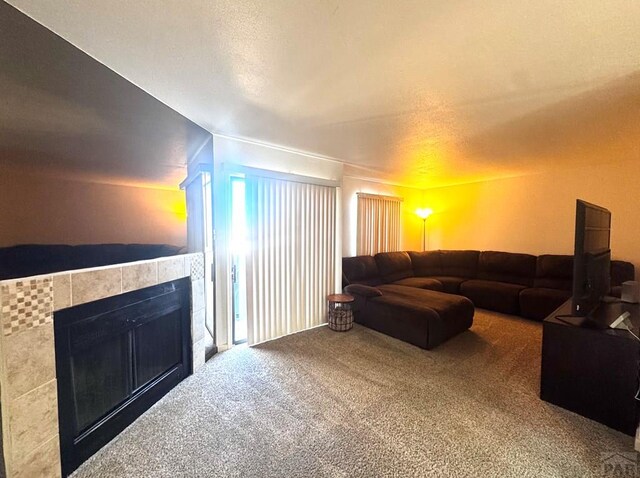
x=68, y=118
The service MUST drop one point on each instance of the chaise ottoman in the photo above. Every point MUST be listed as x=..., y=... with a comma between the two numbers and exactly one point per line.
x=421, y=317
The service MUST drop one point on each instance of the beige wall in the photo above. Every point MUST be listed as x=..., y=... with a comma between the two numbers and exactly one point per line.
x=536, y=213
x=411, y=225
x=52, y=210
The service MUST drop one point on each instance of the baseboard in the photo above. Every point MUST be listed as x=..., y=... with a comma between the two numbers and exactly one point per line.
x=211, y=352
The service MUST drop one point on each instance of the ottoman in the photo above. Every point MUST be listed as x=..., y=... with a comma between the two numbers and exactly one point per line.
x=421, y=317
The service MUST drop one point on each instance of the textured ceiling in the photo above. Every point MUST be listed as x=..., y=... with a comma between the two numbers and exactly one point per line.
x=424, y=92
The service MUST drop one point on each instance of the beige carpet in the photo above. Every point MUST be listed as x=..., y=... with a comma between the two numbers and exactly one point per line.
x=322, y=403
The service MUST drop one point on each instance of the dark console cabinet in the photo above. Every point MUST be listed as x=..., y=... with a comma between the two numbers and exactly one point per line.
x=593, y=371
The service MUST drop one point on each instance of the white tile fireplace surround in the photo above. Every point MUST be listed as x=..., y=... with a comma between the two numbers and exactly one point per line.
x=28, y=387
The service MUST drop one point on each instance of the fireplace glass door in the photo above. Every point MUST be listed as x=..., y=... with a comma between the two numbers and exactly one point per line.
x=115, y=358
x=101, y=378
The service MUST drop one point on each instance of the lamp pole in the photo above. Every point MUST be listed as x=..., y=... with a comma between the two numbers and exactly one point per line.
x=424, y=214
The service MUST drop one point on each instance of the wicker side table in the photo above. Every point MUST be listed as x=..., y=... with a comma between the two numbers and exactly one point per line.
x=340, y=314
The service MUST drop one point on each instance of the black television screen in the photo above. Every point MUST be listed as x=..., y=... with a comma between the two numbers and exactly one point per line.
x=592, y=257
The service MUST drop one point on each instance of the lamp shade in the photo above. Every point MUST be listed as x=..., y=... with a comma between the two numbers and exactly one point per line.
x=424, y=213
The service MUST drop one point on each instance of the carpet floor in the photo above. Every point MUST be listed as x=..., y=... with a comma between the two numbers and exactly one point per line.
x=328, y=404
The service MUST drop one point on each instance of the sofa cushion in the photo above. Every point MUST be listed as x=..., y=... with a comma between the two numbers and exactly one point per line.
x=421, y=283
x=554, y=271
x=363, y=290
x=395, y=316
x=361, y=270
x=459, y=263
x=404, y=311
x=91, y=255
x=450, y=285
x=361, y=294
x=507, y=267
x=499, y=296
x=34, y=259
x=621, y=271
x=538, y=302
x=393, y=266
x=426, y=263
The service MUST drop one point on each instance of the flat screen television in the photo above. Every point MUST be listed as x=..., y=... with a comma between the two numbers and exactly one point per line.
x=592, y=258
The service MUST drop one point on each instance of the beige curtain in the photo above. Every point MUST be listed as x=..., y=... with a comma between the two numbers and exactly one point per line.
x=378, y=224
x=292, y=259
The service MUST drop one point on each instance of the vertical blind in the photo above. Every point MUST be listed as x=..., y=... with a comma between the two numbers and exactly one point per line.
x=378, y=224
x=292, y=258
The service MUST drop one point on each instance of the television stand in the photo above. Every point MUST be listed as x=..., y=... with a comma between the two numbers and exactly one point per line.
x=592, y=369
x=600, y=318
x=585, y=322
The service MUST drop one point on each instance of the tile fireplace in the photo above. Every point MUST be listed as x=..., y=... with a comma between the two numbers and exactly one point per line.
x=155, y=346
x=115, y=358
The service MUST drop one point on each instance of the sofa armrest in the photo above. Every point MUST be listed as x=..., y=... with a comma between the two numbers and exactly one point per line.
x=362, y=290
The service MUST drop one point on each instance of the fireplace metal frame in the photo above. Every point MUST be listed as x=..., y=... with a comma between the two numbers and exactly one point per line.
x=122, y=314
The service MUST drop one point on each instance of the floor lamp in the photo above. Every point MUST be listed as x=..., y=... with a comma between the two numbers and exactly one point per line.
x=424, y=214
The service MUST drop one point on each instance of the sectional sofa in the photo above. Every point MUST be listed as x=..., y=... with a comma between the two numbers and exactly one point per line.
x=34, y=259
x=511, y=283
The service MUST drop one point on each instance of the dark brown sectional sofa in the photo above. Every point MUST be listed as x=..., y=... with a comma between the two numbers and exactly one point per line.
x=34, y=259
x=511, y=283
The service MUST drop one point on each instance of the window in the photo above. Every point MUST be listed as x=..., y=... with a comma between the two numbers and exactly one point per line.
x=378, y=224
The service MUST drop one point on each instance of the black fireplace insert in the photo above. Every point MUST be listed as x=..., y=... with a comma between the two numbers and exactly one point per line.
x=115, y=358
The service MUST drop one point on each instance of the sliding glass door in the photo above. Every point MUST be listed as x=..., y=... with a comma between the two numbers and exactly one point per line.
x=283, y=242
x=238, y=249
x=291, y=262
